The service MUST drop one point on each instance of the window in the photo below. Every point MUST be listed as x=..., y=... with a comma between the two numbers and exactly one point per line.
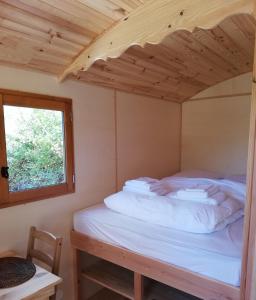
x=36, y=147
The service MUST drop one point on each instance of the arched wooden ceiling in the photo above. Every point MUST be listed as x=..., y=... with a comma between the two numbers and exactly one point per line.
x=183, y=64
x=47, y=35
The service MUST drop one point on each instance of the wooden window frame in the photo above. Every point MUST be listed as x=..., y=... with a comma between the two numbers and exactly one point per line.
x=23, y=99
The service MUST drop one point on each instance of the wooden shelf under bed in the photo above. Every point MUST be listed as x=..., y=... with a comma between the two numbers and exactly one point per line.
x=113, y=277
x=118, y=284
x=142, y=268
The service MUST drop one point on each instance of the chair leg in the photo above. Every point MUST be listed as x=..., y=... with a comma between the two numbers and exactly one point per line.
x=76, y=274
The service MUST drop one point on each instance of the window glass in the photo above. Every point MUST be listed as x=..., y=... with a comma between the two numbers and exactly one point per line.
x=35, y=147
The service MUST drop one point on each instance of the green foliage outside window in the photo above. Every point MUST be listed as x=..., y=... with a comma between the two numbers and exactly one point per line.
x=35, y=149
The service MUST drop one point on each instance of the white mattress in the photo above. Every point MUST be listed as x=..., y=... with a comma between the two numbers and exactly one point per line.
x=216, y=255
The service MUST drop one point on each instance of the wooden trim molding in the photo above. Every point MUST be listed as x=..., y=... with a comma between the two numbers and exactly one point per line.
x=35, y=102
x=152, y=22
x=7, y=92
x=3, y=157
x=248, y=291
x=64, y=105
x=219, y=96
x=116, y=141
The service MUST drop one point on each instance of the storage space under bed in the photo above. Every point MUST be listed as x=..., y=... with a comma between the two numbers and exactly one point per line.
x=118, y=283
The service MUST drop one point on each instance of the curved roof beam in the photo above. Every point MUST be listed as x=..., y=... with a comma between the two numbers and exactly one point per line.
x=152, y=22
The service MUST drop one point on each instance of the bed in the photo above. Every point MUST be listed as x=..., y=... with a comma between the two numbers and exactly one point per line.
x=216, y=255
x=204, y=265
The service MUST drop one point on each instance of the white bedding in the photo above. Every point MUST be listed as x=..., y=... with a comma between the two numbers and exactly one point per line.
x=216, y=255
x=174, y=213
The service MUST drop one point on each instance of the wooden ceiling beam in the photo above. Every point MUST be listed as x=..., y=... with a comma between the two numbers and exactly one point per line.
x=152, y=22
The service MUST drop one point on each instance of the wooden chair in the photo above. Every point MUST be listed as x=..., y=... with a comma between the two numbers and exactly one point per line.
x=53, y=260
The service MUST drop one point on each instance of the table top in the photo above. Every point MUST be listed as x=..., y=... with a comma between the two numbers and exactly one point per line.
x=42, y=279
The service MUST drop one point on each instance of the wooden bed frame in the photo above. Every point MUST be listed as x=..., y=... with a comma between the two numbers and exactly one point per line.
x=184, y=280
x=171, y=275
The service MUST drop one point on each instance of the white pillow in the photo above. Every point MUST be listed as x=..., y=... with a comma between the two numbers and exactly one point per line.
x=182, y=215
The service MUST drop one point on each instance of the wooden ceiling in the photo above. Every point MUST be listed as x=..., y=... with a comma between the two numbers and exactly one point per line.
x=47, y=35
x=183, y=64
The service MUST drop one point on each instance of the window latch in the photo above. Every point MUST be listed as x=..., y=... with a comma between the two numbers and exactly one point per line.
x=4, y=172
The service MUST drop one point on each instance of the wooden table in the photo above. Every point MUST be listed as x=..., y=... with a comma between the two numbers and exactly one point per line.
x=40, y=287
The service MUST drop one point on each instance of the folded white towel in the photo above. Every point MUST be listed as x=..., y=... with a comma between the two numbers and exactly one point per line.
x=145, y=186
x=210, y=189
x=136, y=182
x=197, y=192
x=166, y=186
x=141, y=182
x=192, y=194
x=170, y=185
x=138, y=190
x=215, y=199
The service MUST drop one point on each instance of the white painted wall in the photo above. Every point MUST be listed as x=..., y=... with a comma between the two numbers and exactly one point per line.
x=148, y=131
x=215, y=131
x=148, y=135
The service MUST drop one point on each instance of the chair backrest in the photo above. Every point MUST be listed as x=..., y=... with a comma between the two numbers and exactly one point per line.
x=53, y=261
